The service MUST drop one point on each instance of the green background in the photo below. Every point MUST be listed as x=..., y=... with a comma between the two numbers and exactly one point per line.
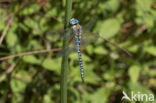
x=108, y=70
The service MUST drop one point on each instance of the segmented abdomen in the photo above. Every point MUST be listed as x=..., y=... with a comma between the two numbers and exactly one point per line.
x=80, y=58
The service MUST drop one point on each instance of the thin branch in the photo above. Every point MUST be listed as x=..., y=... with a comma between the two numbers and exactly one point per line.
x=5, y=1
x=28, y=53
x=10, y=21
x=128, y=53
x=6, y=29
x=8, y=71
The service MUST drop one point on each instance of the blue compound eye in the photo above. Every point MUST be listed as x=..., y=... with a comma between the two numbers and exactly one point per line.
x=74, y=21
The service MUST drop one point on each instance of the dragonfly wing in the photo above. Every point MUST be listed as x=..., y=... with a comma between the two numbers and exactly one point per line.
x=70, y=49
x=88, y=26
x=89, y=38
x=56, y=41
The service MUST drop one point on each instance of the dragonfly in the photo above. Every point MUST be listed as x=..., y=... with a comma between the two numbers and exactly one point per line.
x=78, y=34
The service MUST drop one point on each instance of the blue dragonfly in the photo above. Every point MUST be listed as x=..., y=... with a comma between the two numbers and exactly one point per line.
x=78, y=34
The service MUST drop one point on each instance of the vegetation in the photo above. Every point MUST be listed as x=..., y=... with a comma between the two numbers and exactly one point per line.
x=35, y=25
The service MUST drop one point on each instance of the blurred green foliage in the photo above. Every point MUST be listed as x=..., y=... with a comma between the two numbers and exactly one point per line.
x=108, y=70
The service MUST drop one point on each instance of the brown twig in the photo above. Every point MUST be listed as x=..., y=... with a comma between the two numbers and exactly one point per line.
x=10, y=21
x=129, y=54
x=5, y=1
x=28, y=53
x=8, y=71
x=6, y=29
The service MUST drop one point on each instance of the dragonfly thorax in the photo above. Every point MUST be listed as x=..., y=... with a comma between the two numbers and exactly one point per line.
x=77, y=31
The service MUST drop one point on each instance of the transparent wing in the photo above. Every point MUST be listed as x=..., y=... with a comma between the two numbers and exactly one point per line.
x=72, y=44
x=87, y=38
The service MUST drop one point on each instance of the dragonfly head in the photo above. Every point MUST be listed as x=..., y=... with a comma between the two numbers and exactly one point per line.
x=74, y=21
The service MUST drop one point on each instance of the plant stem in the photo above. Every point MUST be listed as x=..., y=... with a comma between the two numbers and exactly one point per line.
x=64, y=68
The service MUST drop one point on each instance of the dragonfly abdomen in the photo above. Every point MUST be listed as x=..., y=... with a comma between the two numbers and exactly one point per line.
x=80, y=58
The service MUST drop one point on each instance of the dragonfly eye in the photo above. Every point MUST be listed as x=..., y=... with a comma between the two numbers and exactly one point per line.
x=74, y=21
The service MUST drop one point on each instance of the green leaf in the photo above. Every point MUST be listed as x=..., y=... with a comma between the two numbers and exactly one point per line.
x=152, y=73
x=47, y=99
x=109, y=28
x=110, y=5
x=2, y=26
x=35, y=45
x=52, y=64
x=74, y=56
x=31, y=23
x=34, y=25
x=24, y=74
x=17, y=98
x=89, y=49
x=33, y=8
x=133, y=48
x=113, y=5
x=134, y=72
x=31, y=59
x=100, y=50
x=151, y=50
x=23, y=27
x=90, y=76
x=52, y=12
x=144, y=5
x=137, y=87
x=143, y=9
x=108, y=76
x=17, y=85
x=11, y=39
x=100, y=96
